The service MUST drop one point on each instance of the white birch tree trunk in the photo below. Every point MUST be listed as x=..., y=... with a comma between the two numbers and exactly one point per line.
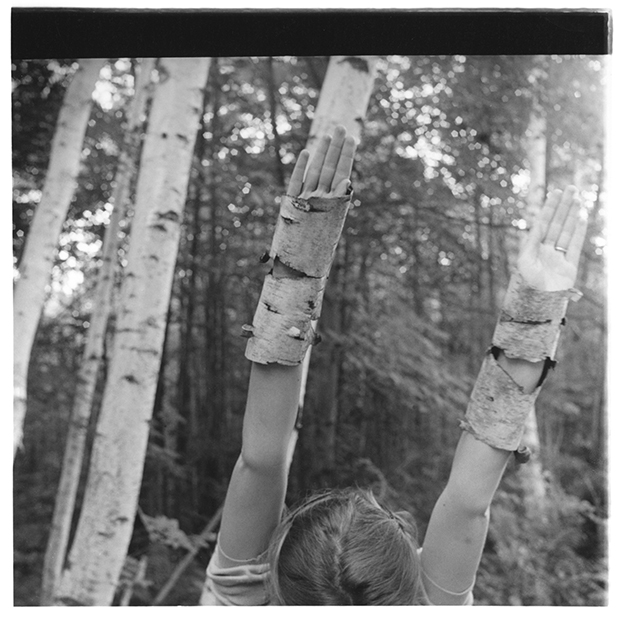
x=115, y=475
x=40, y=248
x=94, y=347
x=532, y=474
x=536, y=136
x=343, y=100
x=344, y=96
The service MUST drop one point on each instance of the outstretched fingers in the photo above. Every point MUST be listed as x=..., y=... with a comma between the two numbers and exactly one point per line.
x=575, y=243
x=331, y=160
x=329, y=168
x=297, y=178
x=563, y=240
x=345, y=163
x=316, y=164
x=561, y=225
x=543, y=219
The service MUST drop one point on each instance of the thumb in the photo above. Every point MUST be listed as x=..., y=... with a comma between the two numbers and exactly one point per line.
x=342, y=188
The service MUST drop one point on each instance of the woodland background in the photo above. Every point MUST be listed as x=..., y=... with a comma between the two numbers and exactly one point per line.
x=441, y=183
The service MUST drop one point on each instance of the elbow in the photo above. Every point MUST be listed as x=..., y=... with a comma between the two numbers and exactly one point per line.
x=469, y=504
x=262, y=461
x=475, y=511
x=482, y=513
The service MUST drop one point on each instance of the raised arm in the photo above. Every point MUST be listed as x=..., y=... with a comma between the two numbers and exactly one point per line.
x=523, y=349
x=257, y=488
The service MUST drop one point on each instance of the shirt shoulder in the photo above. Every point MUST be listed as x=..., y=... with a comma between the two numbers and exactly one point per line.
x=242, y=584
x=465, y=598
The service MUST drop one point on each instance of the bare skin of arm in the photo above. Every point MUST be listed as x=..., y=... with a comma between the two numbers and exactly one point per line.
x=458, y=526
x=257, y=488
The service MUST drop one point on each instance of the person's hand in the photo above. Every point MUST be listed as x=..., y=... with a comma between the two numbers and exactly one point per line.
x=550, y=255
x=330, y=168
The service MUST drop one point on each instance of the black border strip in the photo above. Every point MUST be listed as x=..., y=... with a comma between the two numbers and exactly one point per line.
x=75, y=33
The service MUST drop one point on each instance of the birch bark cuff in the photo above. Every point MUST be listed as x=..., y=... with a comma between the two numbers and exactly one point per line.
x=497, y=407
x=530, y=321
x=305, y=240
x=528, y=329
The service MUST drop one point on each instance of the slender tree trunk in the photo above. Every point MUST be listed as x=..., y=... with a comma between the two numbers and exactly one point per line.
x=94, y=348
x=418, y=301
x=598, y=428
x=40, y=249
x=531, y=474
x=115, y=474
x=215, y=308
x=344, y=96
x=273, y=116
x=199, y=542
x=478, y=330
x=327, y=378
x=188, y=380
x=170, y=416
x=491, y=287
x=343, y=100
x=536, y=136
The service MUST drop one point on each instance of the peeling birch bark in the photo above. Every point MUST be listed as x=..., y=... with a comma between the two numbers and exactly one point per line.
x=498, y=407
x=305, y=240
x=528, y=329
x=530, y=322
x=307, y=233
x=282, y=325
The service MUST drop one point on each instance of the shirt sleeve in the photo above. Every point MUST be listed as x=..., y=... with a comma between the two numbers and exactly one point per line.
x=243, y=584
x=246, y=584
x=459, y=599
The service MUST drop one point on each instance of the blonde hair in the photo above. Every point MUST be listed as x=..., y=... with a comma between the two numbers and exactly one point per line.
x=343, y=548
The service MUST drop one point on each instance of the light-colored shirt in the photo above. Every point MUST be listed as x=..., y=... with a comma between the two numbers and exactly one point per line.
x=246, y=583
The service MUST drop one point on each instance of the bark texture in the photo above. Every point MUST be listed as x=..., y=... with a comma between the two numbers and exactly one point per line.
x=498, y=407
x=305, y=239
x=530, y=321
x=536, y=148
x=344, y=99
x=531, y=475
x=94, y=349
x=307, y=233
x=115, y=473
x=40, y=249
x=344, y=96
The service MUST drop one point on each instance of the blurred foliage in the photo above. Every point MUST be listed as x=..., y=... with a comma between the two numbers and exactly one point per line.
x=556, y=544
x=439, y=188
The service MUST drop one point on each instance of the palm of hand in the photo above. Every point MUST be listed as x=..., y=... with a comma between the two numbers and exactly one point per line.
x=330, y=168
x=547, y=269
x=549, y=258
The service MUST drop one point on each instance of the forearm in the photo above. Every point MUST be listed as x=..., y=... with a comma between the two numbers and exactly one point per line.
x=477, y=467
x=523, y=348
x=307, y=231
x=257, y=487
x=458, y=526
x=271, y=410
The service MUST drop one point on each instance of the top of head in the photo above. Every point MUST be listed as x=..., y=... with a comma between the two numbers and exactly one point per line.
x=343, y=548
